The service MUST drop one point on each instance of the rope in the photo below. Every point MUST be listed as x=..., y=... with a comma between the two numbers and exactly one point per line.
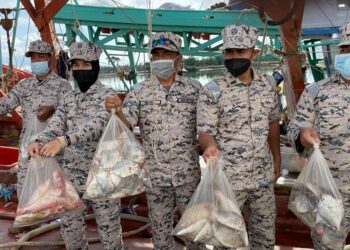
x=121, y=9
x=290, y=95
x=201, y=4
x=149, y=25
x=329, y=20
x=28, y=26
x=263, y=43
x=46, y=228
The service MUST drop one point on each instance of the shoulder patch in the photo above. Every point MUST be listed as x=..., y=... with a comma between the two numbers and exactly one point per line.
x=313, y=89
x=25, y=80
x=105, y=88
x=195, y=84
x=269, y=78
x=213, y=88
x=272, y=81
x=137, y=87
x=324, y=82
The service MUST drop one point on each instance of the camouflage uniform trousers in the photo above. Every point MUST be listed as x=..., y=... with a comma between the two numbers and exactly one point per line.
x=318, y=245
x=260, y=207
x=107, y=214
x=161, y=203
x=21, y=174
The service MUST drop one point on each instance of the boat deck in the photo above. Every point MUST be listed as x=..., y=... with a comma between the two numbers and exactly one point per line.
x=141, y=241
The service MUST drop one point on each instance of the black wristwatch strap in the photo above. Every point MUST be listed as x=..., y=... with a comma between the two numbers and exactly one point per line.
x=68, y=140
x=298, y=146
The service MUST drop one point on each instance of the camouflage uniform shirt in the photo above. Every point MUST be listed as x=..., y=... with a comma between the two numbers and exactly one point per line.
x=30, y=94
x=83, y=117
x=168, y=128
x=238, y=116
x=324, y=106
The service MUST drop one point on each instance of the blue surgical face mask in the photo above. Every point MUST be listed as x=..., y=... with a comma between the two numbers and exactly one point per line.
x=163, y=68
x=40, y=68
x=342, y=65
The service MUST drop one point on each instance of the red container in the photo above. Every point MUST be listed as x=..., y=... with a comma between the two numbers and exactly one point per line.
x=8, y=157
x=122, y=95
x=205, y=36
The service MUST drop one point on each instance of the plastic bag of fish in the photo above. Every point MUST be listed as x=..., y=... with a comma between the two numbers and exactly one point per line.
x=316, y=200
x=117, y=168
x=47, y=193
x=213, y=217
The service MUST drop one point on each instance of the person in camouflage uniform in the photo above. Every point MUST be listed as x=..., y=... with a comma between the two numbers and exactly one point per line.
x=76, y=128
x=238, y=118
x=38, y=97
x=165, y=104
x=322, y=116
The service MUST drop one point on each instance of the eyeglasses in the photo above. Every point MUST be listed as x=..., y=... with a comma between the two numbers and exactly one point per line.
x=162, y=41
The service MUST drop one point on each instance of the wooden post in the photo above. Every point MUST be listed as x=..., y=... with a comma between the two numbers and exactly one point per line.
x=290, y=33
x=42, y=14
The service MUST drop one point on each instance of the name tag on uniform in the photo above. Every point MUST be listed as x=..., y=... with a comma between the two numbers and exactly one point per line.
x=334, y=101
x=186, y=100
x=157, y=102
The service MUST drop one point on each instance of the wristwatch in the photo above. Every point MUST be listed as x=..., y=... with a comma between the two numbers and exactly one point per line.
x=68, y=140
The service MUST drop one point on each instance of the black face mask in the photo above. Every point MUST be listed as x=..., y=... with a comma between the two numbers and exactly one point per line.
x=237, y=66
x=86, y=78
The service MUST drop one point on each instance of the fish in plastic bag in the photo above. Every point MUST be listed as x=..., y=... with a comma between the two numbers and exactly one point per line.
x=47, y=193
x=117, y=170
x=316, y=200
x=331, y=211
x=213, y=217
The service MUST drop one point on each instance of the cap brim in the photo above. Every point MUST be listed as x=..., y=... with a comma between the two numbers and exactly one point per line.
x=222, y=48
x=345, y=43
x=78, y=58
x=29, y=53
x=164, y=47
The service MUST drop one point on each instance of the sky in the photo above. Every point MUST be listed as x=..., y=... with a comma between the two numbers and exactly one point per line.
x=26, y=30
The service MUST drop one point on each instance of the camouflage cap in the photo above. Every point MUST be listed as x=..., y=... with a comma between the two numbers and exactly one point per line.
x=85, y=51
x=345, y=35
x=239, y=36
x=166, y=40
x=39, y=46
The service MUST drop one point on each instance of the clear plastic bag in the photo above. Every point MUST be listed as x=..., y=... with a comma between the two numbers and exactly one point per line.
x=117, y=167
x=213, y=216
x=47, y=193
x=316, y=200
x=34, y=127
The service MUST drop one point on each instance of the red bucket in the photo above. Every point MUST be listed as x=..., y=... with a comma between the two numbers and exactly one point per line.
x=8, y=157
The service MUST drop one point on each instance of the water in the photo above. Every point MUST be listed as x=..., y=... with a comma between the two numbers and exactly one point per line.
x=202, y=77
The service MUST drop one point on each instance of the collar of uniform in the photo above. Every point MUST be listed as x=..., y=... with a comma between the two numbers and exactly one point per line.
x=232, y=80
x=337, y=79
x=256, y=75
x=51, y=76
x=154, y=80
x=92, y=90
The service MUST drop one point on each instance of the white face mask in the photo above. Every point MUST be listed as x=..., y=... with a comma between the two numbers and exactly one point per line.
x=40, y=68
x=342, y=65
x=163, y=68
